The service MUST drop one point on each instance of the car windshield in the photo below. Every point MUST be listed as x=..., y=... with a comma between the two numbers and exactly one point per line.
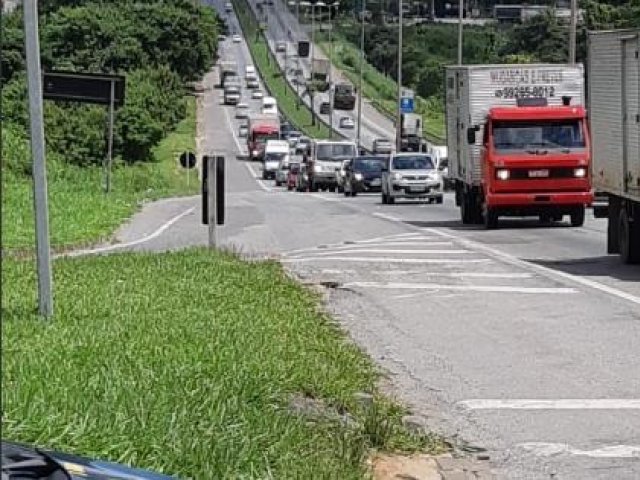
x=413, y=162
x=294, y=167
x=530, y=136
x=274, y=157
x=368, y=164
x=335, y=151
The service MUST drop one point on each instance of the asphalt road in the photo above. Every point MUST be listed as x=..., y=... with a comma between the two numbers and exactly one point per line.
x=524, y=341
x=279, y=21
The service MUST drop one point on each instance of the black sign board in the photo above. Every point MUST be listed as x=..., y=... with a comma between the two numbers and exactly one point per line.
x=188, y=160
x=83, y=87
x=303, y=49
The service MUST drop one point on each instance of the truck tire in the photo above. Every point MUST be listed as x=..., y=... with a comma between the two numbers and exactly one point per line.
x=391, y=200
x=490, y=218
x=313, y=187
x=577, y=217
x=384, y=198
x=466, y=212
x=629, y=238
x=439, y=200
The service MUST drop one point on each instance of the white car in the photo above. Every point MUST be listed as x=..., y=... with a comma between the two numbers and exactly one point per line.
x=243, y=131
x=237, y=39
x=242, y=110
x=257, y=94
x=347, y=122
x=411, y=175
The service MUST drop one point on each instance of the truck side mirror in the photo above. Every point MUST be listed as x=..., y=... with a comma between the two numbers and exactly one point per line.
x=471, y=135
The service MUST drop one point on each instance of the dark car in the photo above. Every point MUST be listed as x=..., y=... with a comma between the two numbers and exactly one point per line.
x=364, y=174
x=22, y=461
x=325, y=108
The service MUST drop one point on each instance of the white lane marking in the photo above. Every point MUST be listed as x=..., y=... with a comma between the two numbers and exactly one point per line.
x=548, y=272
x=118, y=246
x=553, y=449
x=466, y=288
x=511, y=260
x=254, y=175
x=459, y=274
x=553, y=404
x=388, y=250
x=322, y=197
x=426, y=243
x=233, y=133
x=387, y=260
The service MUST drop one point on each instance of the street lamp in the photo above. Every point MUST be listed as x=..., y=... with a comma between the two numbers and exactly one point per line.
x=331, y=85
x=362, y=14
x=399, y=109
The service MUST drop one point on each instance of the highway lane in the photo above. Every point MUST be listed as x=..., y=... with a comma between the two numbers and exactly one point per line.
x=468, y=325
x=279, y=21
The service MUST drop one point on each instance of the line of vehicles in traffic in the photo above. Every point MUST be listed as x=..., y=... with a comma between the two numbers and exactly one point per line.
x=520, y=142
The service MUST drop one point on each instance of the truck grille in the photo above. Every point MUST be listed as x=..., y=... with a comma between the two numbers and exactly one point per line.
x=557, y=172
x=414, y=177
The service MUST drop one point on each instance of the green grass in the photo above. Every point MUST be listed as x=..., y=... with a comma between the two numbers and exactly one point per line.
x=185, y=363
x=79, y=211
x=379, y=89
x=276, y=83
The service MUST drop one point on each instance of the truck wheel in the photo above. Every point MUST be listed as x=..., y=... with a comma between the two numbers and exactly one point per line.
x=313, y=187
x=466, y=212
x=490, y=218
x=384, y=198
x=629, y=238
x=577, y=217
x=391, y=200
x=439, y=200
x=354, y=193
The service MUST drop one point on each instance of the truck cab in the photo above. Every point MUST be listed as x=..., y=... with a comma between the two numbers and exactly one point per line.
x=344, y=97
x=535, y=161
x=262, y=128
x=275, y=151
x=324, y=160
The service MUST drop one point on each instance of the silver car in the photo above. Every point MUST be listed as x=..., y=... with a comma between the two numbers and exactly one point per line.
x=411, y=175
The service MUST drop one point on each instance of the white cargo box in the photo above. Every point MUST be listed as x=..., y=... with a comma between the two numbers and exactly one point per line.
x=614, y=111
x=471, y=90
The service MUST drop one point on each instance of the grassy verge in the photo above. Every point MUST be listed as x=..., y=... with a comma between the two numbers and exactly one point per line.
x=381, y=90
x=186, y=363
x=276, y=83
x=79, y=211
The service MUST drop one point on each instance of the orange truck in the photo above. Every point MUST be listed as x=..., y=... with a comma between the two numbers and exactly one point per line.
x=518, y=142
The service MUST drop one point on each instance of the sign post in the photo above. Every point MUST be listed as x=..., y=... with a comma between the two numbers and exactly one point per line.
x=213, y=195
x=43, y=249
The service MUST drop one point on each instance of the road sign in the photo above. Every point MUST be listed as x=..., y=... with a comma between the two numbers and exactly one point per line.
x=407, y=93
x=187, y=160
x=406, y=105
x=83, y=87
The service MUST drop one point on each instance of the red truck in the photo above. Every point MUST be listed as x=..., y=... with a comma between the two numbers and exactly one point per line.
x=518, y=142
x=262, y=127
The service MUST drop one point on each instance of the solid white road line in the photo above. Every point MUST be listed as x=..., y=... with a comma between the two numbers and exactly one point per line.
x=119, y=246
x=459, y=274
x=254, y=175
x=552, y=449
x=389, y=260
x=387, y=250
x=464, y=288
x=553, y=404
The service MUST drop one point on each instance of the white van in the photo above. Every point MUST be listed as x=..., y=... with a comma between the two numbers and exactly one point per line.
x=275, y=151
x=269, y=106
x=250, y=73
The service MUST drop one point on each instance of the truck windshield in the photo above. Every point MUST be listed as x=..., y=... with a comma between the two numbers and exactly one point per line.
x=274, y=157
x=263, y=137
x=414, y=162
x=330, y=152
x=565, y=135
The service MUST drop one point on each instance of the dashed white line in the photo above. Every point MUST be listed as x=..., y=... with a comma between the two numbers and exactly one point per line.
x=464, y=288
x=553, y=404
x=554, y=449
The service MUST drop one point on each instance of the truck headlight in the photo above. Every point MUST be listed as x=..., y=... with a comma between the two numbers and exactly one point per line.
x=502, y=174
x=358, y=176
x=579, y=172
x=254, y=153
x=317, y=168
x=397, y=176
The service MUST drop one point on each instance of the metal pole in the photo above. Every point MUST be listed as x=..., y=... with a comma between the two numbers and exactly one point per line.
x=572, y=31
x=331, y=86
x=313, y=51
x=399, y=111
x=34, y=78
x=460, y=18
x=364, y=3
x=212, y=192
x=107, y=179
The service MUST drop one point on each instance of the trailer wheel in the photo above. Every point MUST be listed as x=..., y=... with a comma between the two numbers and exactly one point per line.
x=577, y=217
x=629, y=238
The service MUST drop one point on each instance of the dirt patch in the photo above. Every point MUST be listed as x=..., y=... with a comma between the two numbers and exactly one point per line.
x=404, y=467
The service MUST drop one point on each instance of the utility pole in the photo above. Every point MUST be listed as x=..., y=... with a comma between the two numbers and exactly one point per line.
x=572, y=31
x=364, y=6
x=332, y=92
x=460, y=23
x=34, y=78
x=399, y=110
